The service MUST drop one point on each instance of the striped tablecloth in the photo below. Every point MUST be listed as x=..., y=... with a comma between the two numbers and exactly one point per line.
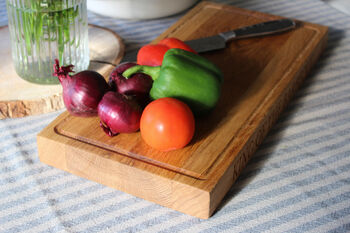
x=298, y=180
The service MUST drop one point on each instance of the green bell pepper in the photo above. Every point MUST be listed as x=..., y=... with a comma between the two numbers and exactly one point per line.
x=186, y=76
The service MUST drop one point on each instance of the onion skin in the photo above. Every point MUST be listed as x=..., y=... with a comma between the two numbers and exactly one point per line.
x=82, y=91
x=138, y=85
x=119, y=114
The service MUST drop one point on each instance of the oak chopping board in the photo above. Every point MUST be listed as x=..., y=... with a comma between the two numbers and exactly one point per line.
x=260, y=76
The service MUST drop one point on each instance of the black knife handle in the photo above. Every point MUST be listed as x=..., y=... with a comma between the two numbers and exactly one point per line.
x=266, y=28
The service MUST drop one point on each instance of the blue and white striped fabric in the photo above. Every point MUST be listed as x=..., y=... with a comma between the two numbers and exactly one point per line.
x=298, y=180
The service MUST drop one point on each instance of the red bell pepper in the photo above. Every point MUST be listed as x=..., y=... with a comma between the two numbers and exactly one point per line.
x=152, y=54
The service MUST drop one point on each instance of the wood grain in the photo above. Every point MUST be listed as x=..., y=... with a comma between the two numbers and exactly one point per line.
x=20, y=98
x=261, y=75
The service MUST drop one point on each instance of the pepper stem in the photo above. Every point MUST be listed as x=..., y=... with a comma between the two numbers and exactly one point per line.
x=152, y=71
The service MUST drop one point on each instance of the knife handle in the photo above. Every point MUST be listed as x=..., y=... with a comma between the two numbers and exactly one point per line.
x=266, y=28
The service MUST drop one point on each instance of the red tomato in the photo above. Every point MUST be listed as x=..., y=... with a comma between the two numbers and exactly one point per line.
x=167, y=124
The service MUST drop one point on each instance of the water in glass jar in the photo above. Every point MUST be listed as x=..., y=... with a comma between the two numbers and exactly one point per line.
x=44, y=30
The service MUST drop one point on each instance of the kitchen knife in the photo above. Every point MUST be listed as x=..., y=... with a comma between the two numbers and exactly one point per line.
x=219, y=41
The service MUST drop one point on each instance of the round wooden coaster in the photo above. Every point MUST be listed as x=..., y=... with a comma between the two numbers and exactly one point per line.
x=20, y=98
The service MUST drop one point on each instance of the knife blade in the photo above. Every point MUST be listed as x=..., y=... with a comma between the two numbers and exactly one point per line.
x=219, y=41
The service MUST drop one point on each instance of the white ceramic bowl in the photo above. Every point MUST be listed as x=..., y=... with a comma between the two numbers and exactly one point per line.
x=138, y=9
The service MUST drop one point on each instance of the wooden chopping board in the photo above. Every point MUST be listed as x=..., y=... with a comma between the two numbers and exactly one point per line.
x=261, y=75
x=19, y=98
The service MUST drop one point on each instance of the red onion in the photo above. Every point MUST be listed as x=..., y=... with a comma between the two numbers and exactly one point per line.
x=82, y=91
x=119, y=114
x=138, y=85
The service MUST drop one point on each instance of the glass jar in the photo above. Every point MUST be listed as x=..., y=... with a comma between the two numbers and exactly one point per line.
x=44, y=30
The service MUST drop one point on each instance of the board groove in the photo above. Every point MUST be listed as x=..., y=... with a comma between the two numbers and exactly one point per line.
x=111, y=148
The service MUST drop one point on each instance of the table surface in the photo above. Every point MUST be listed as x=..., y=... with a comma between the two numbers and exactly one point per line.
x=342, y=5
x=297, y=181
